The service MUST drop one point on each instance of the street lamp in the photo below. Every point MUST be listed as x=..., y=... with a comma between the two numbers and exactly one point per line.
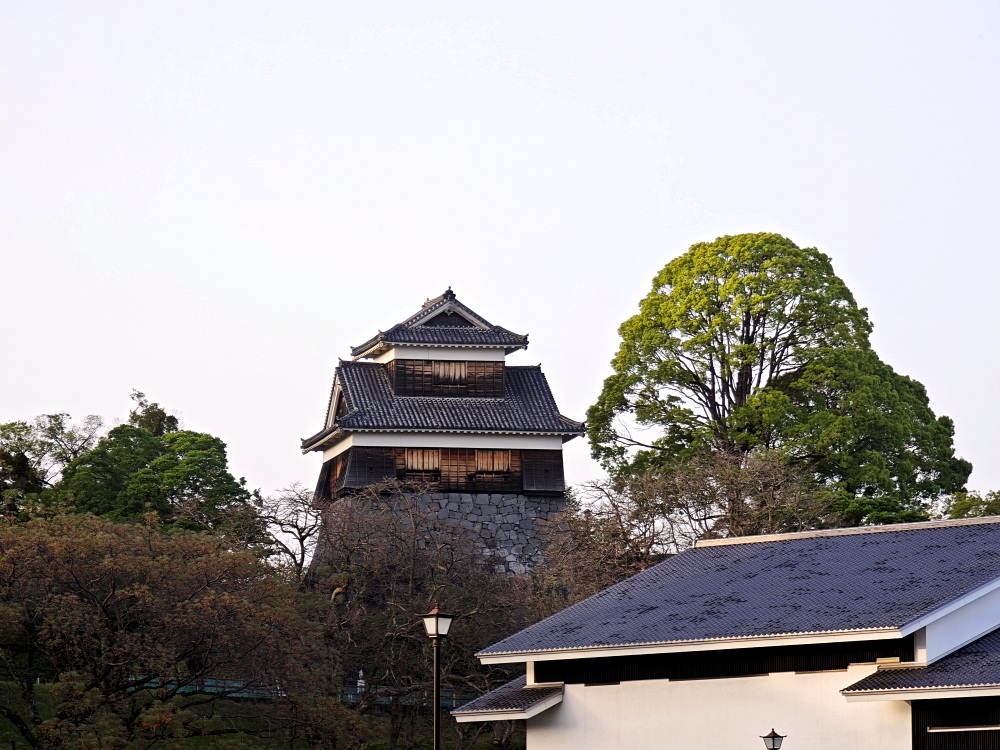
x=772, y=740
x=437, y=624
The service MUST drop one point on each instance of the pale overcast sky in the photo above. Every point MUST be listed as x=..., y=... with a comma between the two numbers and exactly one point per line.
x=212, y=201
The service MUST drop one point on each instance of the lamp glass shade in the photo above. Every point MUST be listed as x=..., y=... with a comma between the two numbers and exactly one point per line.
x=772, y=740
x=444, y=624
x=437, y=623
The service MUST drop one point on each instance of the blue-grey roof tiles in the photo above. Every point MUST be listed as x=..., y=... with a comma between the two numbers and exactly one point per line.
x=467, y=336
x=514, y=696
x=975, y=665
x=411, y=331
x=873, y=578
x=527, y=405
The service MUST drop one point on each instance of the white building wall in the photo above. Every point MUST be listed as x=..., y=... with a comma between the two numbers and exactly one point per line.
x=962, y=626
x=462, y=354
x=722, y=714
x=445, y=440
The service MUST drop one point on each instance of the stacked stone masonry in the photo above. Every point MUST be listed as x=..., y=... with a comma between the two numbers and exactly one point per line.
x=508, y=528
x=508, y=525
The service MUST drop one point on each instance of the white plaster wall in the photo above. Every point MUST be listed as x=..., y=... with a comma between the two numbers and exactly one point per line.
x=725, y=714
x=339, y=447
x=962, y=626
x=444, y=440
x=434, y=352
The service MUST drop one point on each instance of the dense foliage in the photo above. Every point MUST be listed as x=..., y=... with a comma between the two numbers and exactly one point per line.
x=750, y=343
x=124, y=635
x=33, y=454
x=152, y=601
x=385, y=556
x=145, y=465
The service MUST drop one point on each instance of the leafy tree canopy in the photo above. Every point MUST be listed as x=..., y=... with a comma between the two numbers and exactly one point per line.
x=151, y=416
x=751, y=343
x=124, y=636
x=149, y=465
x=132, y=472
x=32, y=454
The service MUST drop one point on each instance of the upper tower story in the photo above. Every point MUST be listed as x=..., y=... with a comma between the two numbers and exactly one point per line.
x=443, y=329
x=433, y=399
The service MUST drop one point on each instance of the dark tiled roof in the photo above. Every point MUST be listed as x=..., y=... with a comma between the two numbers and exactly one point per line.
x=410, y=331
x=513, y=696
x=977, y=664
x=527, y=405
x=495, y=337
x=884, y=577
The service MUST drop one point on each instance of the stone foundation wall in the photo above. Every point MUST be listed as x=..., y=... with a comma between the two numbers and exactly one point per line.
x=506, y=523
x=507, y=527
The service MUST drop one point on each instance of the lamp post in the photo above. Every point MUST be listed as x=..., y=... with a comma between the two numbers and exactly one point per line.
x=772, y=740
x=437, y=624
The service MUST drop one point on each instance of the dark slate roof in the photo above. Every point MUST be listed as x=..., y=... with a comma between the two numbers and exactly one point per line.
x=411, y=331
x=977, y=664
x=495, y=337
x=513, y=697
x=819, y=582
x=527, y=405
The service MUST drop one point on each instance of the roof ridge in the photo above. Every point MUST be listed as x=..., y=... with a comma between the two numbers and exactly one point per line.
x=424, y=313
x=847, y=531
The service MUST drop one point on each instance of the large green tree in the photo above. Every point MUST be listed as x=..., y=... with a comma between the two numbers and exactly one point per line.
x=149, y=465
x=33, y=454
x=751, y=343
x=132, y=472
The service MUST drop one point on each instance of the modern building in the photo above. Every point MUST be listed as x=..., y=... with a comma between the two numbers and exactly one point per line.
x=432, y=400
x=881, y=637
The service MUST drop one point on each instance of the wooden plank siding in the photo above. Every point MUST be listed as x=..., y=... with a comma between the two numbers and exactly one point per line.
x=543, y=470
x=963, y=714
x=450, y=469
x=738, y=662
x=427, y=377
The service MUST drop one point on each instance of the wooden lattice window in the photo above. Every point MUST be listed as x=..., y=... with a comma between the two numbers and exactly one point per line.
x=423, y=459
x=337, y=466
x=543, y=470
x=450, y=373
x=378, y=464
x=425, y=377
x=413, y=377
x=485, y=379
x=491, y=461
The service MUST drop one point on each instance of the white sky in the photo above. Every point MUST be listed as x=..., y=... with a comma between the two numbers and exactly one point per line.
x=211, y=201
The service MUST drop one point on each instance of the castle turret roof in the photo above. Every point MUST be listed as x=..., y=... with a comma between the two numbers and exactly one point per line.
x=443, y=322
x=527, y=407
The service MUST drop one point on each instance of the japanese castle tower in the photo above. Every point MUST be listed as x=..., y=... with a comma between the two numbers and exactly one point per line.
x=432, y=400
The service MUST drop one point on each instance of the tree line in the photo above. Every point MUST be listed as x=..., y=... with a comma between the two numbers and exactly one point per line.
x=149, y=598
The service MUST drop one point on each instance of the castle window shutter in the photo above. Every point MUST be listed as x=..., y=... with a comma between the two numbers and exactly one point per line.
x=492, y=461
x=450, y=373
x=543, y=470
x=423, y=459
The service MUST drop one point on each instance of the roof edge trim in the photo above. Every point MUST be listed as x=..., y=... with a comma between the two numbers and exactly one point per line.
x=850, y=531
x=715, y=644
x=948, y=608
x=574, y=433
x=511, y=714
x=322, y=440
x=909, y=694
